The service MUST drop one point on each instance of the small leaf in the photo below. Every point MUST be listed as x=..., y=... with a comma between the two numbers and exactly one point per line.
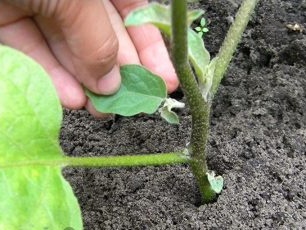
x=200, y=34
x=32, y=196
x=216, y=182
x=158, y=15
x=153, y=13
x=197, y=53
x=167, y=113
x=170, y=116
x=198, y=29
x=202, y=22
x=193, y=15
x=141, y=92
x=206, y=85
x=205, y=30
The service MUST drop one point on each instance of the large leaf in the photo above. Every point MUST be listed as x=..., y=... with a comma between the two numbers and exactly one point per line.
x=33, y=195
x=141, y=92
x=158, y=15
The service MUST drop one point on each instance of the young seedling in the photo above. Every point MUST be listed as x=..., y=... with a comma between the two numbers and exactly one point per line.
x=201, y=29
x=34, y=194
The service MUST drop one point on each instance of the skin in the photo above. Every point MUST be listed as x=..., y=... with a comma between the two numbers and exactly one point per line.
x=83, y=43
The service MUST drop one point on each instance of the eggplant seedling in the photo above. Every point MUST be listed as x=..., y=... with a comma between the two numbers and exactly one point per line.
x=34, y=194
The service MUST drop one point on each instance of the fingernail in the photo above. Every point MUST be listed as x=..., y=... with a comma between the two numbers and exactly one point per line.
x=110, y=83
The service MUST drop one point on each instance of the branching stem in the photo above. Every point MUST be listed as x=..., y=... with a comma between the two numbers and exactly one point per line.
x=198, y=107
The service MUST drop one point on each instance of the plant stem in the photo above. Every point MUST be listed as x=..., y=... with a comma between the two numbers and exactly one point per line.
x=129, y=160
x=198, y=107
x=231, y=40
x=108, y=161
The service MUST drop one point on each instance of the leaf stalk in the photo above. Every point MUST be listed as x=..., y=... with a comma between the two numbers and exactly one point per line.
x=157, y=159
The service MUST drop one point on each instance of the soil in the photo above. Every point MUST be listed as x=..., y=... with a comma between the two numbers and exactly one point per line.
x=257, y=141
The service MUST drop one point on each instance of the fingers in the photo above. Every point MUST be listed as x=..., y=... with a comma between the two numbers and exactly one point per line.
x=89, y=36
x=153, y=53
x=81, y=39
x=127, y=53
x=56, y=42
x=149, y=45
x=19, y=32
x=93, y=43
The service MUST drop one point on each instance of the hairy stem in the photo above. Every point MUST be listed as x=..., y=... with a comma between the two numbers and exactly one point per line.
x=108, y=161
x=231, y=40
x=198, y=107
x=130, y=160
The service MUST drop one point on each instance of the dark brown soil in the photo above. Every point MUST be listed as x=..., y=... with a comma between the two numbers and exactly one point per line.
x=258, y=140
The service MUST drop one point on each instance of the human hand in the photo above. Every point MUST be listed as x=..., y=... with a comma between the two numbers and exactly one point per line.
x=83, y=43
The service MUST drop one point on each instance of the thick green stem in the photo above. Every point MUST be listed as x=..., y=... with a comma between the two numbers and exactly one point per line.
x=108, y=161
x=231, y=40
x=198, y=107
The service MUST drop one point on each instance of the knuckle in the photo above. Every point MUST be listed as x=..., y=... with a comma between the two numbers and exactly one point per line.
x=49, y=8
x=107, y=53
x=45, y=8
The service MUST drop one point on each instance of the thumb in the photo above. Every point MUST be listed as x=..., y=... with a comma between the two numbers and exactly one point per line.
x=89, y=36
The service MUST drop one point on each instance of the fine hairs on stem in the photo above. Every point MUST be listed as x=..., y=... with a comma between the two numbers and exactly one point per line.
x=199, y=108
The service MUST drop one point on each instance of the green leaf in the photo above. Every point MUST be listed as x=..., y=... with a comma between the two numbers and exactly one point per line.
x=167, y=113
x=32, y=196
x=158, y=15
x=153, y=13
x=141, y=92
x=216, y=182
x=207, y=85
x=170, y=116
x=198, y=55
x=193, y=15
x=202, y=22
